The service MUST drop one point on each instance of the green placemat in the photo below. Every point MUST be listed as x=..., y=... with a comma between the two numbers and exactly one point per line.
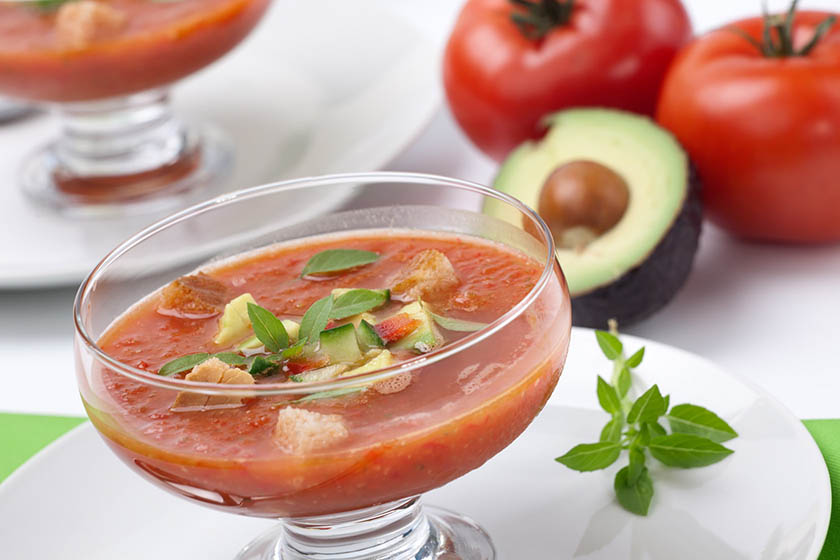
x=23, y=435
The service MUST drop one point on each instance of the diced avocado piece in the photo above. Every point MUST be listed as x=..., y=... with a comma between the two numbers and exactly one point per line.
x=380, y=360
x=622, y=202
x=356, y=320
x=234, y=324
x=340, y=344
x=367, y=336
x=425, y=337
x=321, y=374
x=250, y=343
x=292, y=329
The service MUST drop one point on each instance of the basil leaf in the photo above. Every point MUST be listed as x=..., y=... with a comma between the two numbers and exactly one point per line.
x=693, y=419
x=636, y=496
x=624, y=382
x=260, y=365
x=636, y=466
x=334, y=260
x=457, y=325
x=612, y=430
x=608, y=397
x=358, y=301
x=687, y=450
x=609, y=343
x=293, y=351
x=656, y=429
x=667, y=400
x=268, y=328
x=329, y=394
x=315, y=319
x=636, y=359
x=183, y=363
x=591, y=456
x=648, y=407
x=231, y=358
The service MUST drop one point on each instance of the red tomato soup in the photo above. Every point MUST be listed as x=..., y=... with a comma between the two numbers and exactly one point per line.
x=80, y=50
x=370, y=446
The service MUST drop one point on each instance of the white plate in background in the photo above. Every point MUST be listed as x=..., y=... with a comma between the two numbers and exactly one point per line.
x=303, y=95
x=770, y=500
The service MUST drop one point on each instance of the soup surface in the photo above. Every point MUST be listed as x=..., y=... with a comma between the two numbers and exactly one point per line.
x=311, y=454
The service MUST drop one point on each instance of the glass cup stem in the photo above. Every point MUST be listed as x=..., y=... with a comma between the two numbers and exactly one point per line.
x=120, y=136
x=123, y=155
x=400, y=530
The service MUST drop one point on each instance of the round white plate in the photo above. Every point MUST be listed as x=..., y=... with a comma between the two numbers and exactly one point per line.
x=304, y=95
x=770, y=500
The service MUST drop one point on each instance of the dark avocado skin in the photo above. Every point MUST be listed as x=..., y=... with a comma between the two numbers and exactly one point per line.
x=645, y=289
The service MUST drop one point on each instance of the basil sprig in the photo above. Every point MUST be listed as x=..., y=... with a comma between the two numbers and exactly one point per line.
x=185, y=363
x=316, y=318
x=695, y=439
x=268, y=328
x=358, y=301
x=336, y=260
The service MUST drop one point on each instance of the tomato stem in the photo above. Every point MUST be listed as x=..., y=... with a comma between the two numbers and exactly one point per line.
x=777, y=36
x=539, y=17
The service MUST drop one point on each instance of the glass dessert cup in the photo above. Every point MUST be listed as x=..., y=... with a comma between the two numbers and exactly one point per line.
x=359, y=498
x=105, y=68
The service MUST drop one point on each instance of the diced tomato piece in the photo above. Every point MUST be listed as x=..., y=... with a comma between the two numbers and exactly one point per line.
x=299, y=366
x=396, y=327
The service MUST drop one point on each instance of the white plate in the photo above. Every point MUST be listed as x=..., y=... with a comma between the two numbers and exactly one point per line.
x=770, y=500
x=304, y=95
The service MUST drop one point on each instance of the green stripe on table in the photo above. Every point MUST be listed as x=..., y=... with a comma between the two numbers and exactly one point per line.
x=23, y=435
x=827, y=435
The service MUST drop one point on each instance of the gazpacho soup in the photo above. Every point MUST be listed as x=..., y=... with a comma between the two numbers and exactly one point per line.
x=281, y=411
x=79, y=50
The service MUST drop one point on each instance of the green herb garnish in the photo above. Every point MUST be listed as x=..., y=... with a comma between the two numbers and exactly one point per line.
x=695, y=438
x=261, y=364
x=316, y=318
x=231, y=358
x=268, y=328
x=335, y=260
x=458, y=325
x=329, y=394
x=358, y=301
x=183, y=363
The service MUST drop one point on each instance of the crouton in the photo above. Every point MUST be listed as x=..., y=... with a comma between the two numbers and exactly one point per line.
x=212, y=371
x=302, y=431
x=196, y=295
x=428, y=274
x=393, y=384
x=79, y=24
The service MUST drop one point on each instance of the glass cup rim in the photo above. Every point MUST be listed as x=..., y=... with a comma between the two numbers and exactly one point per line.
x=291, y=388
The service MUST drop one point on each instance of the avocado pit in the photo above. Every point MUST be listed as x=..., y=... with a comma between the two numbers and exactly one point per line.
x=582, y=200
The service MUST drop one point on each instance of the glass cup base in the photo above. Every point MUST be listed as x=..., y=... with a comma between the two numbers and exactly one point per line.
x=205, y=161
x=402, y=530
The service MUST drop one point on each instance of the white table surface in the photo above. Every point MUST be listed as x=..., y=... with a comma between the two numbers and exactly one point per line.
x=767, y=312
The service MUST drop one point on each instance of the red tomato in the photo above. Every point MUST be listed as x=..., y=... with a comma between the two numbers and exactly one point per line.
x=764, y=133
x=610, y=53
x=396, y=327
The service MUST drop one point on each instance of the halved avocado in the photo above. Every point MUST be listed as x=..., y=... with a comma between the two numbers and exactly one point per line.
x=624, y=255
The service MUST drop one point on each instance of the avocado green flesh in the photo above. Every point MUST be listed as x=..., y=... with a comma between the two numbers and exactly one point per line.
x=646, y=156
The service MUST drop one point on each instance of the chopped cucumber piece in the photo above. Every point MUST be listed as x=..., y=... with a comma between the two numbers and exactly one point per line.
x=367, y=336
x=234, y=323
x=425, y=337
x=380, y=360
x=340, y=344
x=320, y=374
x=357, y=319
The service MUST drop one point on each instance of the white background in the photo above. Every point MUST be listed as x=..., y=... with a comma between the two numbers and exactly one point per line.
x=767, y=312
